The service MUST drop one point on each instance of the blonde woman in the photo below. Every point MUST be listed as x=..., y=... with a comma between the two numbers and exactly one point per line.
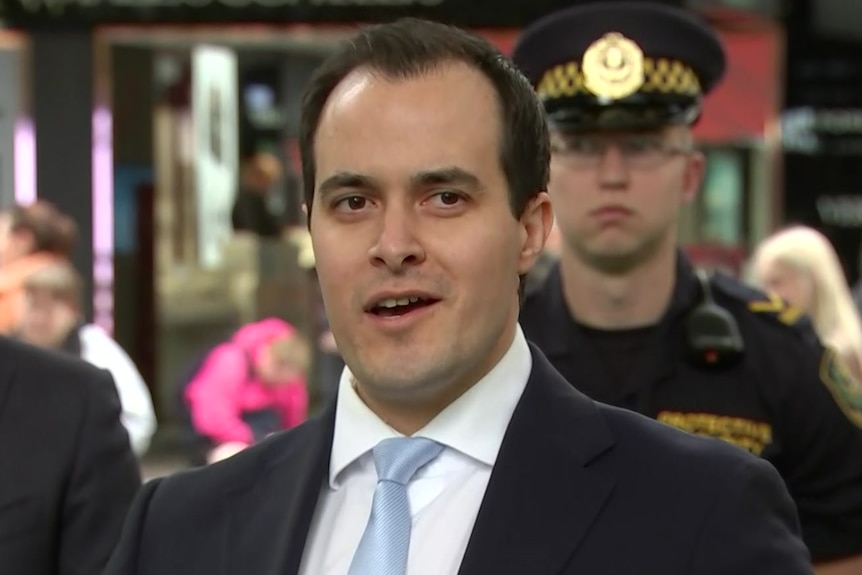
x=800, y=265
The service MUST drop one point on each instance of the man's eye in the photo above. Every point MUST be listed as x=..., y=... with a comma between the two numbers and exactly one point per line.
x=352, y=203
x=448, y=198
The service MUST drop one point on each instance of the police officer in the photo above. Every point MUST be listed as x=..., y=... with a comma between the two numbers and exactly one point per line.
x=625, y=317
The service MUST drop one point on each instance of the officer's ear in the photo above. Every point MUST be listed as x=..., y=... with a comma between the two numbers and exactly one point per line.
x=692, y=178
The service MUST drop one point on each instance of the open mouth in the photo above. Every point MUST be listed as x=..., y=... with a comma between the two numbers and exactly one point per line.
x=393, y=307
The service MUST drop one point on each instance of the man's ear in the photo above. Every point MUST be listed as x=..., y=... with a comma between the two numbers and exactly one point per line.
x=536, y=223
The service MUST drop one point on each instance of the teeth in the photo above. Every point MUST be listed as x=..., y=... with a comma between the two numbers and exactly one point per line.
x=392, y=302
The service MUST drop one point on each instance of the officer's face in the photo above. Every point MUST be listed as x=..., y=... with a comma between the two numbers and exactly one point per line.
x=617, y=195
x=417, y=251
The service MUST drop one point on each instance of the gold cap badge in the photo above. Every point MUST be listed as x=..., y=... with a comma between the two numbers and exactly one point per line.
x=613, y=67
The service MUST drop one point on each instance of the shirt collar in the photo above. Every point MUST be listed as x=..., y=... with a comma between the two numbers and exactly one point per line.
x=474, y=424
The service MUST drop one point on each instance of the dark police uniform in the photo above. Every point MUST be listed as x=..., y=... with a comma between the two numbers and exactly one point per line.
x=783, y=396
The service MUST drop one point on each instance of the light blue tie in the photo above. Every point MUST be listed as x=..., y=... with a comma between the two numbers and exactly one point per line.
x=386, y=540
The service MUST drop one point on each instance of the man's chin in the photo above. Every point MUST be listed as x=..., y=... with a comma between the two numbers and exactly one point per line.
x=616, y=260
x=402, y=386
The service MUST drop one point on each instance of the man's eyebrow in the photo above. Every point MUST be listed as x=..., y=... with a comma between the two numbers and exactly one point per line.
x=341, y=180
x=451, y=175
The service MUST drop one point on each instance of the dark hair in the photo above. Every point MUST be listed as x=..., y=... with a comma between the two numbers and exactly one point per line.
x=411, y=47
x=52, y=231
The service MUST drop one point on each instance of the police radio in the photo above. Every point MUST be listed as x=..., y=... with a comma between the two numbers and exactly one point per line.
x=712, y=334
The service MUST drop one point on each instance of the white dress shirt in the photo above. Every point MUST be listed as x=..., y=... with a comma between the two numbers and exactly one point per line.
x=444, y=496
x=138, y=415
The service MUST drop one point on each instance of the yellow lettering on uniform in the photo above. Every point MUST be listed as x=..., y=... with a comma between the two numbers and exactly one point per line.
x=751, y=435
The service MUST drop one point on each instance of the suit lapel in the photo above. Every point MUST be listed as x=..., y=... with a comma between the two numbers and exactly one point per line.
x=11, y=447
x=7, y=377
x=543, y=495
x=271, y=517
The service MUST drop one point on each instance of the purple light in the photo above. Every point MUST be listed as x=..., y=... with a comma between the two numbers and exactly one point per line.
x=25, y=162
x=103, y=220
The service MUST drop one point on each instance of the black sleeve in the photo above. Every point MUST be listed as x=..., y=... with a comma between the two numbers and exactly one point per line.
x=103, y=481
x=821, y=449
x=752, y=528
x=125, y=559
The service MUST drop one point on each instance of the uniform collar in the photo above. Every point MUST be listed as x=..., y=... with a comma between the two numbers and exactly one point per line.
x=562, y=328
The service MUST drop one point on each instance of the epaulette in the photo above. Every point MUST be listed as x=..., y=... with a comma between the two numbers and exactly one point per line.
x=767, y=305
x=832, y=371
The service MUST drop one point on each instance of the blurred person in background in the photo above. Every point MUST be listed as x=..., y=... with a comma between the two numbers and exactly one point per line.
x=52, y=319
x=800, y=266
x=67, y=471
x=256, y=208
x=31, y=237
x=248, y=388
x=856, y=291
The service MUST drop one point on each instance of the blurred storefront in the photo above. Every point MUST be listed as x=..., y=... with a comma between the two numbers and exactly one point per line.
x=822, y=125
x=16, y=148
x=143, y=111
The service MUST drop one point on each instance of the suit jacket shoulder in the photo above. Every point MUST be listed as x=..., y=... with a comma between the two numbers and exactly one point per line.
x=189, y=500
x=682, y=504
x=768, y=311
x=48, y=374
x=71, y=458
x=652, y=450
x=261, y=500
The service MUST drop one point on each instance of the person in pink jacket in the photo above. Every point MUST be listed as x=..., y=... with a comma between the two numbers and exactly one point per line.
x=249, y=387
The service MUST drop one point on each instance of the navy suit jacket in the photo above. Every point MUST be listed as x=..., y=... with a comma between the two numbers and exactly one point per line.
x=67, y=472
x=579, y=488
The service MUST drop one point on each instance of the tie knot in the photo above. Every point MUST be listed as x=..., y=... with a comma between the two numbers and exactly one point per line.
x=399, y=458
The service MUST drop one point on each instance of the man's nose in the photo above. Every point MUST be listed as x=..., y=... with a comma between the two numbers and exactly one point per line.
x=613, y=172
x=397, y=245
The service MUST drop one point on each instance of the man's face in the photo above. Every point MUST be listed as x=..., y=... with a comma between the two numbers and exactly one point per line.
x=46, y=319
x=617, y=195
x=417, y=251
